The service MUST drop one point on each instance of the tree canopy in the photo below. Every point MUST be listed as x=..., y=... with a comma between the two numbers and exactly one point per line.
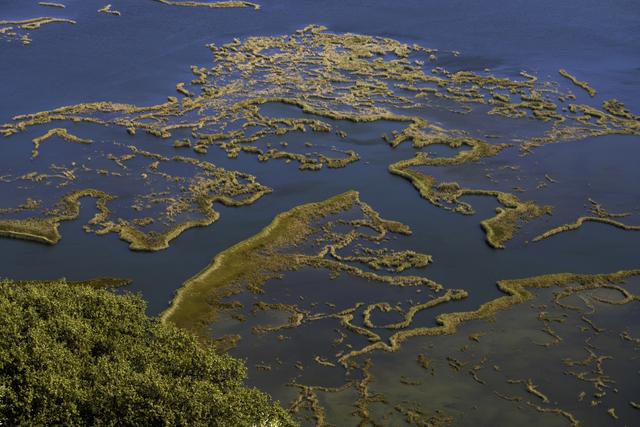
x=75, y=355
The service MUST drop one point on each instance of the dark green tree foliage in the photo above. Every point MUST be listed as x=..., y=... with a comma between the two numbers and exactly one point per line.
x=74, y=355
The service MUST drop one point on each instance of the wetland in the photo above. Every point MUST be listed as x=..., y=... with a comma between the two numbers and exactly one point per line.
x=423, y=215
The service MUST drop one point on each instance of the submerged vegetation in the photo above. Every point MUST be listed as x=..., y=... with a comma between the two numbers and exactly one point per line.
x=77, y=355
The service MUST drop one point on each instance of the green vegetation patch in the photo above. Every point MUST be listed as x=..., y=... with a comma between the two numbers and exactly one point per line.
x=75, y=355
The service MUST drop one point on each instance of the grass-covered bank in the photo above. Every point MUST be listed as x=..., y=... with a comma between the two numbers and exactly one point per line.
x=76, y=355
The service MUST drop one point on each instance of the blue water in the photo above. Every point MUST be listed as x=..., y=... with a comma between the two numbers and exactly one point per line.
x=139, y=56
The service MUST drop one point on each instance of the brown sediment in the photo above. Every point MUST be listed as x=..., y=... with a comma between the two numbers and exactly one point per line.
x=596, y=376
x=455, y=364
x=263, y=367
x=476, y=336
x=583, y=85
x=625, y=335
x=254, y=261
x=474, y=371
x=593, y=326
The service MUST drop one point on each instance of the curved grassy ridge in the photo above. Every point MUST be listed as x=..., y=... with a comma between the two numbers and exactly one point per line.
x=580, y=222
x=191, y=308
x=598, y=214
x=74, y=355
x=252, y=262
x=499, y=229
x=516, y=292
x=45, y=230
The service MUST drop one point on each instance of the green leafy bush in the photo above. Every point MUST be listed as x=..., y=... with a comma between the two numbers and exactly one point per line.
x=74, y=355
